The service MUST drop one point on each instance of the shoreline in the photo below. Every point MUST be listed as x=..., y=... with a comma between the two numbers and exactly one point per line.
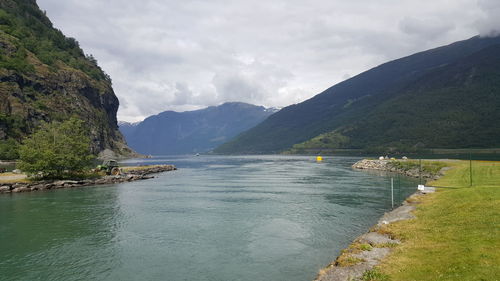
x=128, y=176
x=407, y=167
x=367, y=250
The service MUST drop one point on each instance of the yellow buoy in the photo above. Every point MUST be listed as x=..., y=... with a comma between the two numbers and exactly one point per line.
x=319, y=158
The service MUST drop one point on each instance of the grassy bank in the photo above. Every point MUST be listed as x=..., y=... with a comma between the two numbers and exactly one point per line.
x=456, y=235
x=11, y=178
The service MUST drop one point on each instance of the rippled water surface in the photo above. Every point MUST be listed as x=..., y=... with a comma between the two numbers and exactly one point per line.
x=216, y=218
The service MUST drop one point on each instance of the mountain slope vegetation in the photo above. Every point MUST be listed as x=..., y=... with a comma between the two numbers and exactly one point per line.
x=440, y=98
x=45, y=76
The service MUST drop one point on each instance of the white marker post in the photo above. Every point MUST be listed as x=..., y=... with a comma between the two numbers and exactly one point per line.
x=392, y=192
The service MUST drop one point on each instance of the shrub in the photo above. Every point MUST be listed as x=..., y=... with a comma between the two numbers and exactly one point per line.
x=8, y=149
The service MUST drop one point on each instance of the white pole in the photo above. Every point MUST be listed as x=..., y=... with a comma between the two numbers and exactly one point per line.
x=392, y=192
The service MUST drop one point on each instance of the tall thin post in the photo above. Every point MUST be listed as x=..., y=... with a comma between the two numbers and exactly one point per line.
x=420, y=170
x=392, y=192
x=470, y=167
x=399, y=188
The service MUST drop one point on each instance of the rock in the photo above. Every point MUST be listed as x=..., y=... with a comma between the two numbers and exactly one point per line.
x=374, y=238
x=385, y=165
x=374, y=256
x=86, y=182
x=348, y=273
x=24, y=189
x=403, y=212
x=58, y=183
x=42, y=185
x=101, y=181
x=65, y=183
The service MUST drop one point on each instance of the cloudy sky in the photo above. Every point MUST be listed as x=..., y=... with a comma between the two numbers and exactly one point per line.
x=184, y=55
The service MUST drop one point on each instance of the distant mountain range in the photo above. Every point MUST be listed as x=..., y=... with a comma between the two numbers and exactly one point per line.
x=446, y=97
x=170, y=132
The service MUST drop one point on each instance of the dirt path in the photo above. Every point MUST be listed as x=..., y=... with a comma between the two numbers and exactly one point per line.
x=10, y=177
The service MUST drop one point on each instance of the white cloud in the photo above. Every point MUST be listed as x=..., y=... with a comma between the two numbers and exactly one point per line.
x=489, y=22
x=183, y=55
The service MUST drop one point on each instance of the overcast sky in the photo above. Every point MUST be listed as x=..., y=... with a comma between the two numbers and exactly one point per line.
x=184, y=55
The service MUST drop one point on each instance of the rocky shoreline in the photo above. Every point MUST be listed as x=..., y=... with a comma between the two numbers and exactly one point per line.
x=390, y=166
x=132, y=175
x=367, y=250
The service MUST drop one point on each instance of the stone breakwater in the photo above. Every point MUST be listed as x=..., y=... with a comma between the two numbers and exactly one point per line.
x=390, y=166
x=132, y=175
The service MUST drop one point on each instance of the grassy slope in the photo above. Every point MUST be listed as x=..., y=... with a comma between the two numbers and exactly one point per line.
x=456, y=235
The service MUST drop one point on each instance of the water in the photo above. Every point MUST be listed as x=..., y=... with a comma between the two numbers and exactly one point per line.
x=216, y=218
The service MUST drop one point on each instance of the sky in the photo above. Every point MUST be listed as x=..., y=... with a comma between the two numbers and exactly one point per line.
x=185, y=55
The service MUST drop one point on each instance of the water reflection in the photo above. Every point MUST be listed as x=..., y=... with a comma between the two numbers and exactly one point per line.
x=72, y=229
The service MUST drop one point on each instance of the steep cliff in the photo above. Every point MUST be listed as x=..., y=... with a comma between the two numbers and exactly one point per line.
x=45, y=76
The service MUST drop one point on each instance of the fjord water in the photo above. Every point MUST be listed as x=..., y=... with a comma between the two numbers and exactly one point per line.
x=216, y=218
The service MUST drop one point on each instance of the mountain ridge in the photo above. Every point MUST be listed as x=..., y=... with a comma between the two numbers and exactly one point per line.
x=348, y=100
x=196, y=131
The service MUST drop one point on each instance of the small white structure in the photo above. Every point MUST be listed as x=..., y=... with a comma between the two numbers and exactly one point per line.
x=405, y=158
x=381, y=158
x=426, y=189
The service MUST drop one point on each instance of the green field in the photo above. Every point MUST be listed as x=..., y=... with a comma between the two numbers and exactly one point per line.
x=456, y=235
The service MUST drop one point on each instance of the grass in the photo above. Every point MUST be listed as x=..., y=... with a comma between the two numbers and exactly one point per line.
x=456, y=235
x=348, y=260
x=375, y=275
x=386, y=245
x=365, y=247
x=136, y=168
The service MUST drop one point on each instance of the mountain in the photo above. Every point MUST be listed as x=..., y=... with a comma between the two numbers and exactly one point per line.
x=46, y=76
x=192, y=131
x=440, y=98
x=127, y=128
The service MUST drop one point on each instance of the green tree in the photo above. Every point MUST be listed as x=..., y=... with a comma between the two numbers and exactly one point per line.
x=8, y=149
x=57, y=150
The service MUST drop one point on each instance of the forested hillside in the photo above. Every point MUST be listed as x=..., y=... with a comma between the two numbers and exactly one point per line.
x=441, y=98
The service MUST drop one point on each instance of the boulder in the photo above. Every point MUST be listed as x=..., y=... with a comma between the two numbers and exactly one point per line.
x=24, y=189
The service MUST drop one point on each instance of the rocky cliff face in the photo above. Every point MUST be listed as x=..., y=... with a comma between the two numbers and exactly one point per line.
x=51, y=79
